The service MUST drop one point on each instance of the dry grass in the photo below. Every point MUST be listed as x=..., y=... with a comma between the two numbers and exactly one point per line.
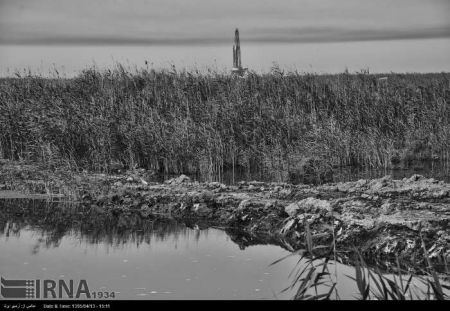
x=187, y=122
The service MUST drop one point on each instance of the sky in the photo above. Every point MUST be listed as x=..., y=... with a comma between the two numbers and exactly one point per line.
x=172, y=22
x=309, y=35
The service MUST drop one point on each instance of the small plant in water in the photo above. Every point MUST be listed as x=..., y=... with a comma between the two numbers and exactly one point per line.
x=313, y=280
x=312, y=274
x=374, y=285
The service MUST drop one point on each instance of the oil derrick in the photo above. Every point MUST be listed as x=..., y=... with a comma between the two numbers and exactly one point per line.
x=237, y=61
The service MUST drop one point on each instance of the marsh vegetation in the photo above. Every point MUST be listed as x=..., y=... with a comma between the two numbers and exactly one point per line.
x=103, y=138
x=282, y=125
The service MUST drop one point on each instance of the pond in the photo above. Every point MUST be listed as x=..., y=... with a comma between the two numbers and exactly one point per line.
x=148, y=259
x=164, y=260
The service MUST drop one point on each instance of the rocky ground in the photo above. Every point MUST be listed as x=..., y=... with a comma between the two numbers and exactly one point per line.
x=382, y=218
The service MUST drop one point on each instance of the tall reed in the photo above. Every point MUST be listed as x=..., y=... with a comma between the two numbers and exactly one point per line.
x=207, y=123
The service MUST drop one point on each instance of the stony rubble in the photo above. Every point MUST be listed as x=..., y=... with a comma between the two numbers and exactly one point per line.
x=381, y=217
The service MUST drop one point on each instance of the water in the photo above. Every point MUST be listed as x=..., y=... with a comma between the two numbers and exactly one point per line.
x=152, y=259
x=424, y=55
x=428, y=169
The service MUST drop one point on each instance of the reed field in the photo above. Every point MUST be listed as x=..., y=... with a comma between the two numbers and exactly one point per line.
x=212, y=122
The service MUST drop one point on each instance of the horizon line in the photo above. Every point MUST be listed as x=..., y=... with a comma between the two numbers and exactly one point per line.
x=255, y=36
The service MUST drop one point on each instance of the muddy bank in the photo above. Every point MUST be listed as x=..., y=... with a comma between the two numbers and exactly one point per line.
x=383, y=218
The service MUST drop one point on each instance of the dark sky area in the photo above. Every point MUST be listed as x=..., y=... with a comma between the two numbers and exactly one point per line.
x=186, y=22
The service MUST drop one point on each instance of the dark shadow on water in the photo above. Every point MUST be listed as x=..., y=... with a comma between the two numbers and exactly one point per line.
x=50, y=222
x=54, y=220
